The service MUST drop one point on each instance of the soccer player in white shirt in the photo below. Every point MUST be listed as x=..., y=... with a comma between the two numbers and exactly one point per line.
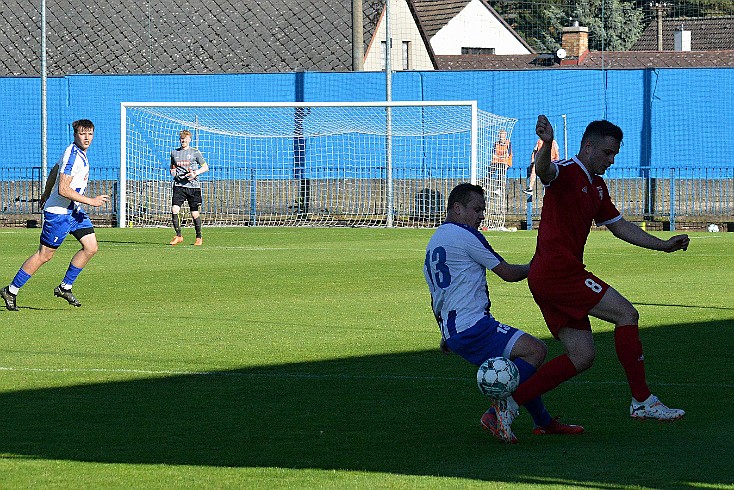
x=62, y=215
x=457, y=258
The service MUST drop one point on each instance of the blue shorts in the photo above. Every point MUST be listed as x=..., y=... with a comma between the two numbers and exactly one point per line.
x=56, y=227
x=487, y=338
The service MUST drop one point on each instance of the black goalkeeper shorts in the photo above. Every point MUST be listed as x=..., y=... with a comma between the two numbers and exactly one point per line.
x=187, y=194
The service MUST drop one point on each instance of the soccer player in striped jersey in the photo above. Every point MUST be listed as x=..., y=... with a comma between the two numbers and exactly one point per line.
x=457, y=258
x=63, y=215
x=575, y=197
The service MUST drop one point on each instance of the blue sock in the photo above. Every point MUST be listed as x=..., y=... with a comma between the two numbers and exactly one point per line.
x=20, y=278
x=71, y=274
x=535, y=407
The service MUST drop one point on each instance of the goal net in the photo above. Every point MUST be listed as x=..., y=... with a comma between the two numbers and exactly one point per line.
x=312, y=164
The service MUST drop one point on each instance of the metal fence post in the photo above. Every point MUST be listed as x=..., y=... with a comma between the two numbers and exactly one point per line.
x=672, y=199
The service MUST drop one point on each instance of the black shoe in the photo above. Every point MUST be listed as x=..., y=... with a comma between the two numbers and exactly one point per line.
x=9, y=299
x=67, y=295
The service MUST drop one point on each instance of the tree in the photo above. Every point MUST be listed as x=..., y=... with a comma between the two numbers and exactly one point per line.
x=614, y=25
x=539, y=23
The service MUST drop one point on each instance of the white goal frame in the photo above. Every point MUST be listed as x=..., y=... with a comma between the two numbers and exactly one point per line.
x=480, y=130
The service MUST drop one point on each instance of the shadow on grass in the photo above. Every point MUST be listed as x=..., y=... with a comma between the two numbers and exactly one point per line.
x=411, y=413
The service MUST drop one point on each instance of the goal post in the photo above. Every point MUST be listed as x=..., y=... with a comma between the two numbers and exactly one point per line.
x=312, y=163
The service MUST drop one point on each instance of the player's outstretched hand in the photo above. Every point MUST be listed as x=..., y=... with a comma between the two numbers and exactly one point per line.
x=677, y=242
x=544, y=129
x=100, y=200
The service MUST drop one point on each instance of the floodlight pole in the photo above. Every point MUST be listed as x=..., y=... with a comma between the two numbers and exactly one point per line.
x=44, y=122
x=659, y=7
x=388, y=115
x=357, y=36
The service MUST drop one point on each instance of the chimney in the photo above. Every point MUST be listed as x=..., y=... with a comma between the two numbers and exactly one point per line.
x=682, y=39
x=575, y=40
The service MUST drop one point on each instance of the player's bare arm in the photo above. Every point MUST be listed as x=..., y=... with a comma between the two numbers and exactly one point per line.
x=50, y=182
x=631, y=233
x=66, y=190
x=511, y=272
x=544, y=168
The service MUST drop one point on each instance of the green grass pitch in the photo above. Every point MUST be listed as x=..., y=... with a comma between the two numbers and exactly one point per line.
x=307, y=358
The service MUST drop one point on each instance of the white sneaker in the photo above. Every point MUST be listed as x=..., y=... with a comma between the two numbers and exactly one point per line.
x=505, y=411
x=652, y=408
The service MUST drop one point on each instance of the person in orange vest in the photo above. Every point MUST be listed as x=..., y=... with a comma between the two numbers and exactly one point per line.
x=501, y=161
x=502, y=151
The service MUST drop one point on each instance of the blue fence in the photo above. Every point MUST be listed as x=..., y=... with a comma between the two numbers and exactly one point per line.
x=671, y=117
x=669, y=198
x=688, y=196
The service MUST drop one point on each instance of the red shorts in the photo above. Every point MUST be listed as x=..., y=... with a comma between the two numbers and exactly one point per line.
x=566, y=301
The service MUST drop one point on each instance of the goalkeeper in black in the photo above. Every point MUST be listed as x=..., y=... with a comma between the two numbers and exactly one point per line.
x=187, y=163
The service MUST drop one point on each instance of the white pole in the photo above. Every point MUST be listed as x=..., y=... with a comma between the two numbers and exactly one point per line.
x=474, y=142
x=44, y=121
x=565, y=137
x=122, y=211
x=388, y=114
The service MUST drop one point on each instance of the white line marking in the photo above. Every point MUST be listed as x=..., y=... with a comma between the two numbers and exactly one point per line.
x=240, y=374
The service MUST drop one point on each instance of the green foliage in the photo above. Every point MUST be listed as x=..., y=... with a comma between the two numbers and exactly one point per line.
x=307, y=358
x=614, y=25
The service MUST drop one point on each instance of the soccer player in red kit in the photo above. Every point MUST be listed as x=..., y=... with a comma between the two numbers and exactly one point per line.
x=575, y=196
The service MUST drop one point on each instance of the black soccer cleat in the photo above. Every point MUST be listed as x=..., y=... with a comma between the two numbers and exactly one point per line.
x=9, y=299
x=67, y=295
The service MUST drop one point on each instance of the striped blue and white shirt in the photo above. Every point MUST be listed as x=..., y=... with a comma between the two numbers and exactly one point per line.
x=73, y=162
x=457, y=259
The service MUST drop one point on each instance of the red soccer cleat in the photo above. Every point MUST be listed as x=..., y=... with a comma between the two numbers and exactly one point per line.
x=500, y=428
x=556, y=427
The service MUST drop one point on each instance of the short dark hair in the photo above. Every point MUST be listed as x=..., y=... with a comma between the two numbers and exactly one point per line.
x=462, y=193
x=82, y=124
x=601, y=129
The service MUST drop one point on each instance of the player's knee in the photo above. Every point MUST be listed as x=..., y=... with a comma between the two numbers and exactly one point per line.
x=582, y=359
x=630, y=316
x=91, y=248
x=540, y=350
x=530, y=350
x=45, y=256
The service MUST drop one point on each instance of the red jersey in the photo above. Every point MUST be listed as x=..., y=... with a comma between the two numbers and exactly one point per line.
x=572, y=201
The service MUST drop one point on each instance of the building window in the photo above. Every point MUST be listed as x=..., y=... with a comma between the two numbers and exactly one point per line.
x=406, y=55
x=477, y=50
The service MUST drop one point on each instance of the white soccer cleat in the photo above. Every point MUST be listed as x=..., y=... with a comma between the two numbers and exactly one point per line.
x=505, y=412
x=652, y=408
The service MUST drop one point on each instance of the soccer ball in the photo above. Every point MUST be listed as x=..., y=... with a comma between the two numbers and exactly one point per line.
x=498, y=377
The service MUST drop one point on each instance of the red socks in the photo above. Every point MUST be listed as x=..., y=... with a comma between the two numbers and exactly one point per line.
x=629, y=352
x=547, y=377
x=556, y=371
